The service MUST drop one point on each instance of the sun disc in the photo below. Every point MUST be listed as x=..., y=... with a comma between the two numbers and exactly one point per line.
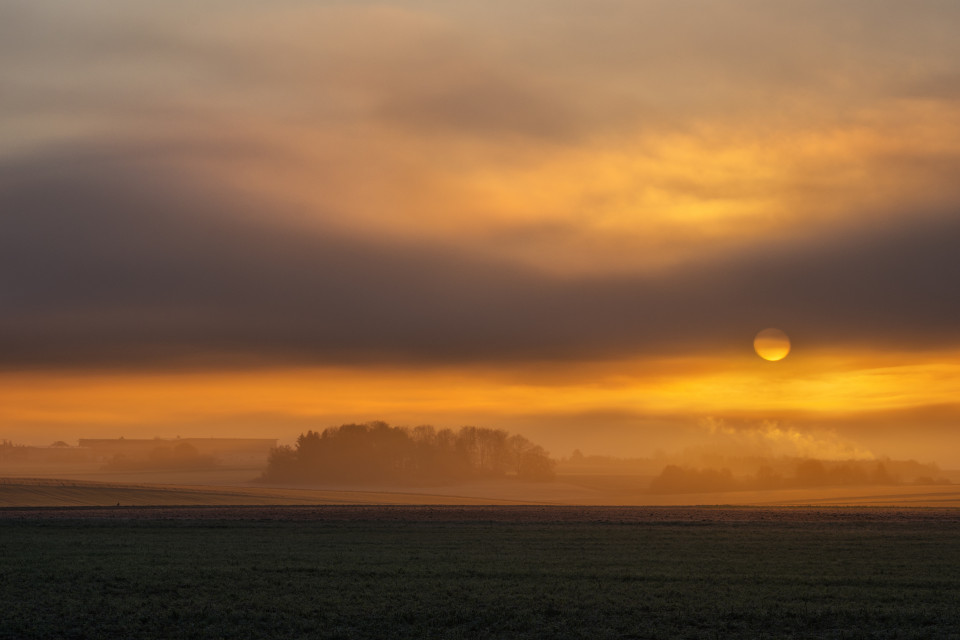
x=772, y=344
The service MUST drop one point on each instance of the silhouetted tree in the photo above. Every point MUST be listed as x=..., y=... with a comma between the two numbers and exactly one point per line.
x=530, y=461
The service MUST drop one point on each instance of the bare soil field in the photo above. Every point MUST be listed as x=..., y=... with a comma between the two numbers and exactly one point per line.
x=46, y=492
x=52, y=492
x=517, y=514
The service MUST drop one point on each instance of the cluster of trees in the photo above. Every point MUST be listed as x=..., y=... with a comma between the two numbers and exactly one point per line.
x=378, y=452
x=807, y=473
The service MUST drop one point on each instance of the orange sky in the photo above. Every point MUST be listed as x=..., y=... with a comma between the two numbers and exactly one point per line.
x=565, y=220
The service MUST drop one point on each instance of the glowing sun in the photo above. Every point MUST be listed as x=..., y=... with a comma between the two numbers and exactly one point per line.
x=772, y=344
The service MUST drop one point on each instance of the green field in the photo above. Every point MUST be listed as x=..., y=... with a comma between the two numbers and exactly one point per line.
x=379, y=579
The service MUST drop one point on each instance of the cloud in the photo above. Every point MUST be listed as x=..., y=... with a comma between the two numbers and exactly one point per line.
x=564, y=71
x=109, y=260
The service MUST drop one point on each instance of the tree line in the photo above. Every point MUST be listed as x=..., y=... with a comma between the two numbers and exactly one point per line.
x=376, y=451
x=807, y=473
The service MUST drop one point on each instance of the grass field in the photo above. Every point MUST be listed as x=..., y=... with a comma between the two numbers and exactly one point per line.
x=393, y=572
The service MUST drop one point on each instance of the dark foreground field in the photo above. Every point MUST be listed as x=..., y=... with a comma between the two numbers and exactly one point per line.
x=479, y=572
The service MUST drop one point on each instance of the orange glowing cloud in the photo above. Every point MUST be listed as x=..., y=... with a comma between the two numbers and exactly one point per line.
x=819, y=384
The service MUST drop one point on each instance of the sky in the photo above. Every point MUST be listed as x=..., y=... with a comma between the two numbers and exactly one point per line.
x=567, y=219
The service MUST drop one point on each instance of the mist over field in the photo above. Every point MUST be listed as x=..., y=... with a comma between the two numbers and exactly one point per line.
x=379, y=463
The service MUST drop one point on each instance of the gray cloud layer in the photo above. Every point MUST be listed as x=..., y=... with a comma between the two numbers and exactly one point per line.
x=107, y=262
x=559, y=70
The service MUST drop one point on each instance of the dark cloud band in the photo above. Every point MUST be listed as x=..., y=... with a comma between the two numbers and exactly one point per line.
x=104, y=263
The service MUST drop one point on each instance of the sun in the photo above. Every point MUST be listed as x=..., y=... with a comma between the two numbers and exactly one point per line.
x=772, y=344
